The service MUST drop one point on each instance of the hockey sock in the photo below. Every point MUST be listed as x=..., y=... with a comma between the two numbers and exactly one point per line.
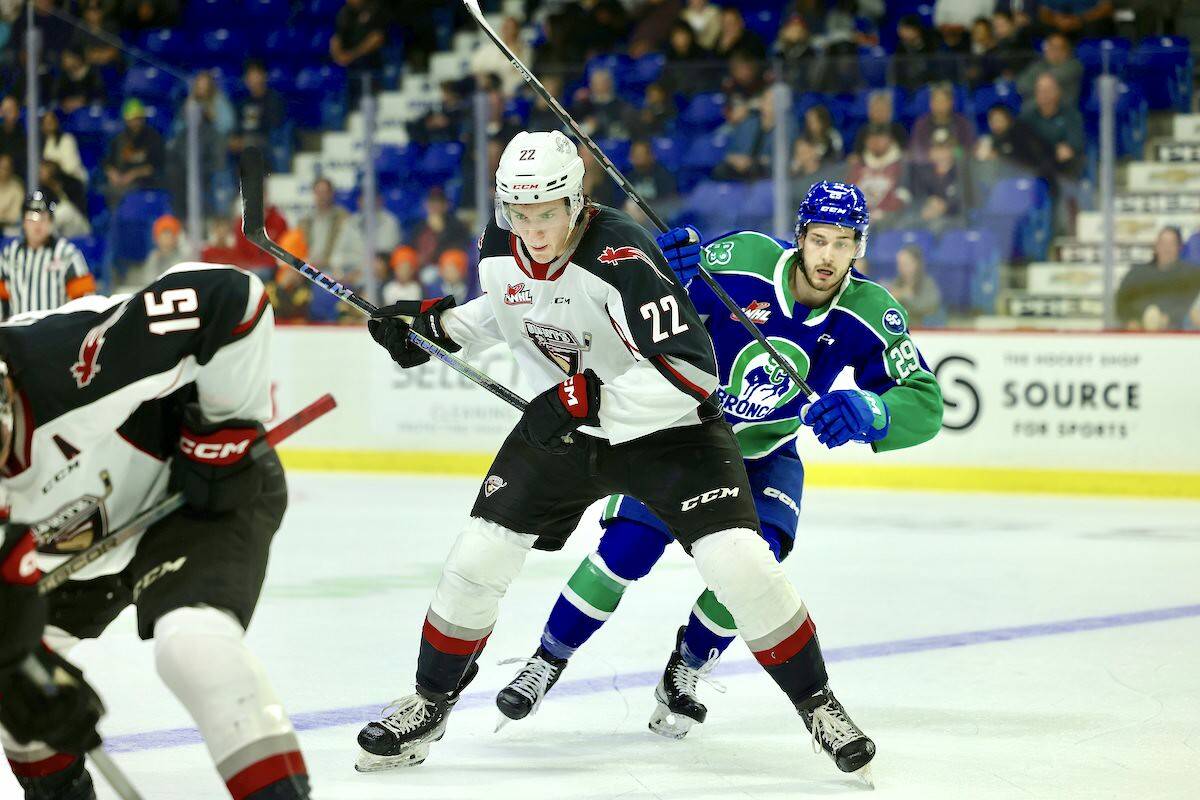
x=202, y=658
x=627, y=551
x=60, y=777
x=711, y=628
x=483, y=562
x=739, y=566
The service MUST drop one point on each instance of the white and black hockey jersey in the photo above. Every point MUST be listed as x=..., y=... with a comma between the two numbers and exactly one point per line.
x=611, y=304
x=100, y=388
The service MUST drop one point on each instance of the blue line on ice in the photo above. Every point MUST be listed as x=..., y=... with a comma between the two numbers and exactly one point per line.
x=335, y=717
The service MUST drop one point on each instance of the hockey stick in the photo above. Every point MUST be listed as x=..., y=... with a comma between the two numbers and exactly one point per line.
x=172, y=503
x=616, y=175
x=125, y=790
x=253, y=173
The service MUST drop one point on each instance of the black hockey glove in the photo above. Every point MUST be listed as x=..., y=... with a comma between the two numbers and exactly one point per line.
x=388, y=329
x=22, y=609
x=559, y=410
x=62, y=713
x=214, y=466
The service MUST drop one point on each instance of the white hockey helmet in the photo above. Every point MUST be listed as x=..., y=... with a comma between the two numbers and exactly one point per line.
x=536, y=167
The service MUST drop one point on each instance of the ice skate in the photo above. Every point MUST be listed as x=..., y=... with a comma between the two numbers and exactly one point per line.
x=410, y=725
x=834, y=732
x=525, y=692
x=678, y=706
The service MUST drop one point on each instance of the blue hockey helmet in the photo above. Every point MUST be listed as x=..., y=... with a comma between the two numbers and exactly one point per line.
x=835, y=203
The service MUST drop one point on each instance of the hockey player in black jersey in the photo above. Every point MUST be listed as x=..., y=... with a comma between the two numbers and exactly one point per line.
x=112, y=403
x=622, y=375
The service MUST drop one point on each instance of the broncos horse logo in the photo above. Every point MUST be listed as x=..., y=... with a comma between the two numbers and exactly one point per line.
x=765, y=385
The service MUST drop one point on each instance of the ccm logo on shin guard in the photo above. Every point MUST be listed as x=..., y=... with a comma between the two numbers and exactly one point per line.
x=155, y=573
x=708, y=497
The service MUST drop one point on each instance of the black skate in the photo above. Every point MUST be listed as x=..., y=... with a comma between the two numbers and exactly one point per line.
x=525, y=692
x=678, y=706
x=834, y=732
x=408, y=728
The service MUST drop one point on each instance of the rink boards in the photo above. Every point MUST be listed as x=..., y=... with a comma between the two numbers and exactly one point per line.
x=1058, y=413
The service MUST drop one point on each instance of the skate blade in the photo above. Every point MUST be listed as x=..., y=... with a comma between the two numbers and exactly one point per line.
x=369, y=762
x=668, y=724
x=864, y=774
x=501, y=721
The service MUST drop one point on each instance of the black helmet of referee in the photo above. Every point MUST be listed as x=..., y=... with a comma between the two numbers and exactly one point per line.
x=38, y=203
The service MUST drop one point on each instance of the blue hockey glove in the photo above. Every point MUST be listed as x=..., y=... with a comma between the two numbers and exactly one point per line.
x=681, y=246
x=847, y=415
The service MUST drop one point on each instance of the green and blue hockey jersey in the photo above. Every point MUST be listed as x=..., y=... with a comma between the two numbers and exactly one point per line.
x=862, y=328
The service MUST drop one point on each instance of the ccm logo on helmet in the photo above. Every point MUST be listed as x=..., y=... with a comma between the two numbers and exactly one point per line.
x=707, y=497
x=517, y=186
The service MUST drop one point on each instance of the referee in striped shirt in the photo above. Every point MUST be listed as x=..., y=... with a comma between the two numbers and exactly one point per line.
x=40, y=271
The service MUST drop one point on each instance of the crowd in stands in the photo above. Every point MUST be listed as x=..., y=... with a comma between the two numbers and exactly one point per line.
x=927, y=108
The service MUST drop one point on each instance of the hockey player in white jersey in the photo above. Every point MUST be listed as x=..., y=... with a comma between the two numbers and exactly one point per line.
x=622, y=376
x=112, y=403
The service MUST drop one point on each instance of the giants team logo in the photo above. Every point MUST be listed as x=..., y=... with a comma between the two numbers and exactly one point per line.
x=758, y=385
x=614, y=255
x=88, y=366
x=758, y=312
x=559, y=346
x=516, y=295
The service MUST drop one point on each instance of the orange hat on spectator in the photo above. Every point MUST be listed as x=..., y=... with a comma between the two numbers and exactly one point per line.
x=403, y=255
x=167, y=222
x=294, y=242
x=453, y=257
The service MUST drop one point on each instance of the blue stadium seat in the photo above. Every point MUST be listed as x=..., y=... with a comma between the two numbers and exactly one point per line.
x=705, y=112
x=160, y=117
x=639, y=74
x=132, y=223
x=1103, y=55
x=395, y=163
x=318, y=99
x=93, y=249
x=1161, y=69
x=918, y=104
x=93, y=127
x=882, y=248
x=873, y=63
x=440, y=162
x=151, y=84
x=1132, y=119
x=1018, y=209
x=172, y=45
x=296, y=47
x=714, y=204
x=617, y=151
x=1191, y=250
x=764, y=21
x=325, y=10
x=966, y=265
x=700, y=156
x=405, y=200
x=1002, y=92
x=756, y=207
x=224, y=47
x=667, y=152
x=265, y=14
x=199, y=15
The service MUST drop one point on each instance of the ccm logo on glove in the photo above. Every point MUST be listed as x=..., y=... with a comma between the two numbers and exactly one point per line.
x=220, y=448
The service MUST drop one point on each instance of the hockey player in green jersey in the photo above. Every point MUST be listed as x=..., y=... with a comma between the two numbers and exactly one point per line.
x=822, y=316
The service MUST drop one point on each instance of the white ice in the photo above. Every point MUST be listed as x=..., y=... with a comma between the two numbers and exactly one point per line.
x=1110, y=712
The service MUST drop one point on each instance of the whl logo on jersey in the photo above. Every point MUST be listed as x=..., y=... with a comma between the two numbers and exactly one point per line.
x=517, y=294
x=758, y=312
x=758, y=385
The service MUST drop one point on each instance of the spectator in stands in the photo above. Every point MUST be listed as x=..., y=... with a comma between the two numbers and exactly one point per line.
x=334, y=244
x=984, y=66
x=736, y=38
x=821, y=133
x=89, y=38
x=807, y=168
x=656, y=116
x=290, y=292
x=1164, y=294
x=652, y=180
x=1013, y=44
x=652, y=21
x=797, y=54
x=690, y=67
x=913, y=65
x=216, y=122
x=215, y=107
x=141, y=14
x=597, y=185
x=60, y=146
x=67, y=195
x=746, y=77
x=914, y=288
x=748, y=154
x=451, y=280
x=440, y=229
x=1061, y=129
x=135, y=156
x=259, y=113
x=220, y=247
x=55, y=32
x=77, y=84
x=541, y=117
x=1010, y=145
x=12, y=133
x=402, y=283
x=387, y=226
x=359, y=34
x=1057, y=60
x=487, y=61
x=170, y=248
x=599, y=110
x=880, y=111
x=880, y=175
x=938, y=187
x=445, y=122
x=941, y=117
x=1077, y=18
x=705, y=19
x=12, y=194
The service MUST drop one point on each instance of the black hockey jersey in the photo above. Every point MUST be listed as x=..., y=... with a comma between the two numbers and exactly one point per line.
x=100, y=386
x=609, y=303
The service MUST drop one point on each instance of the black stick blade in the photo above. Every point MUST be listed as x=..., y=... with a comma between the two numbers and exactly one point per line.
x=253, y=173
